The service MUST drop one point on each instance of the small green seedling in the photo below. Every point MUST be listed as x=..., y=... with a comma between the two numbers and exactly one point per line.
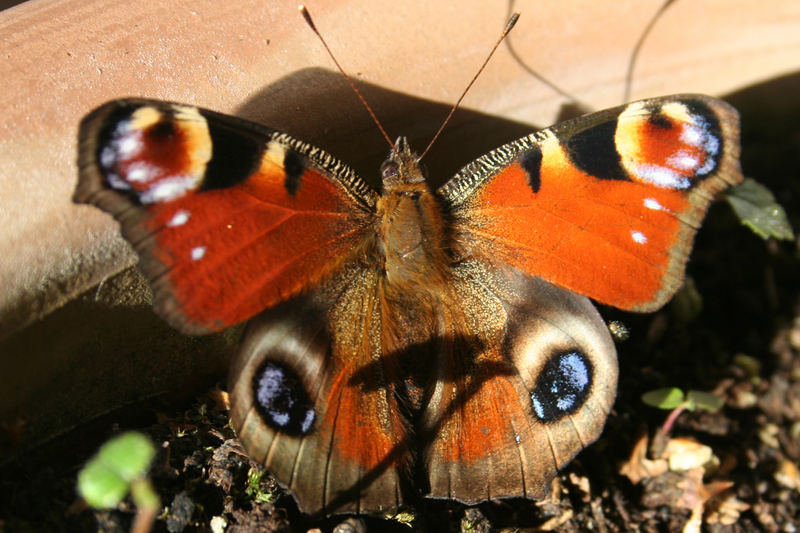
x=257, y=491
x=750, y=365
x=119, y=467
x=405, y=518
x=674, y=399
x=756, y=207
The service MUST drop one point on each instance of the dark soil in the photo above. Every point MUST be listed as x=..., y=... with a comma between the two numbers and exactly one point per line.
x=746, y=302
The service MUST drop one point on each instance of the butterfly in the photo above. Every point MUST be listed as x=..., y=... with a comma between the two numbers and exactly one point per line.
x=412, y=341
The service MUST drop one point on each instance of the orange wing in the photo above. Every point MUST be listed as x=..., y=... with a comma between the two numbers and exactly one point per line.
x=228, y=217
x=606, y=205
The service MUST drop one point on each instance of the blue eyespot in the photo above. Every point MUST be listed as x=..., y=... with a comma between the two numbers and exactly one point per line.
x=282, y=400
x=563, y=386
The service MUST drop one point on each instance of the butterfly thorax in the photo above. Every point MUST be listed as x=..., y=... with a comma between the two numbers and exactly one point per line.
x=411, y=232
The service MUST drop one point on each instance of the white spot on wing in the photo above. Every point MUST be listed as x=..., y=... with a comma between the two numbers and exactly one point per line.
x=662, y=177
x=281, y=418
x=639, y=237
x=168, y=189
x=108, y=156
x=692, y=135
x=127, y=146
x=711, y=145
x=198, y=252
x=180, y=218
x=537, y=406
x=308, y=419
x=116, y=182
x=684, y=160
x=566, y=402
x=652, y=203
x=140, y=172
x=122, y=127
x=698, y=134
x=707, y=167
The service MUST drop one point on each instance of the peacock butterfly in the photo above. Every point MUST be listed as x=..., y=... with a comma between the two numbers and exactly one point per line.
x=411, y=341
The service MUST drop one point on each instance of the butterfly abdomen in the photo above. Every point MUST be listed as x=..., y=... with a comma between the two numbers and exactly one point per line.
x=412, y=246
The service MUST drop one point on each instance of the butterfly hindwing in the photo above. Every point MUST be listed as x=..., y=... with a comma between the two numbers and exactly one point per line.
x=606, y=205
x=314, y=398
x=228, y=217
x=529, y=386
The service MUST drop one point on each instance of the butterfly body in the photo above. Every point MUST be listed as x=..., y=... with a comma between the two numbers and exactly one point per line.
x=412, y=241
x=412, y=342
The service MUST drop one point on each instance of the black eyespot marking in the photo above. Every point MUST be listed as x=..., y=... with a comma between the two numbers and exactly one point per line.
x=234, y=156
x=162, y=130
x=295, y=167
x=139, y=157
x=563, y=386
x=282, y=400
x=594, y=152
x=658, y=119
x=531, y=162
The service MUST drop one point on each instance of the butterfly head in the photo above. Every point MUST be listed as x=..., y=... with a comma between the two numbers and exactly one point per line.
x=402, y=167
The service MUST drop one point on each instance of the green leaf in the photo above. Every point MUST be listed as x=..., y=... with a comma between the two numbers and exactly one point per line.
x=129, y=455
x=749, y=364
x=668, y=398
x=705, y=400
x=100, y=486
x=756, y=207
x=107, y=476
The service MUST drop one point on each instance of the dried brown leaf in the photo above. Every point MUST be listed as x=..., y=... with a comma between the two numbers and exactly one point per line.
x=638, y=466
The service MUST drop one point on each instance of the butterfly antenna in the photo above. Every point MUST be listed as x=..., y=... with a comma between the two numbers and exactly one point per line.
x=638, y=48
x=307, y=16
x=506, y=30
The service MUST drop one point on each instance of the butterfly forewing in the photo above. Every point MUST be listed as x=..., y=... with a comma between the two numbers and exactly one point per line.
x=228, y=217
x=606, y=205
